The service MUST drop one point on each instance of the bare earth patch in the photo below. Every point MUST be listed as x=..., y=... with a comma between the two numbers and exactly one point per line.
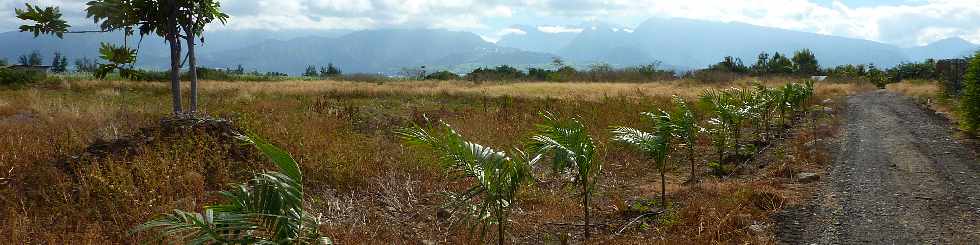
x=899, y=177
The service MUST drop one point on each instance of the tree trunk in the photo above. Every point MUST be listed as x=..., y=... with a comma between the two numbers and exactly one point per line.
x=721, y=152
x=192, y=62
x=174, y=56
x=690, y=157
x=585, y=205
x=663, y=189
x=500, y=227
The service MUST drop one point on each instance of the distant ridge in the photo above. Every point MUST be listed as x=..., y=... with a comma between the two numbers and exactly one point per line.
x=677, y=43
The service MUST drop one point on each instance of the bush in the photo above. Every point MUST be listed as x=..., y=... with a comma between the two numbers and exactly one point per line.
x=970, y=100
x=499, y=73
x=18, y=77
x=442, y=75
x=877, y=77
x=364, y=77
x=713, y=76
x=908, y=71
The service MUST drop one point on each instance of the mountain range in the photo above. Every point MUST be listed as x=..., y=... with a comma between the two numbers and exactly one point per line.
x=676, y=43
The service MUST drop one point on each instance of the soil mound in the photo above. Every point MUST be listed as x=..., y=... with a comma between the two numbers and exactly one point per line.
x=170, y=129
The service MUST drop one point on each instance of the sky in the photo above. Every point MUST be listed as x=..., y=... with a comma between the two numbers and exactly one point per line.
x=899, y=22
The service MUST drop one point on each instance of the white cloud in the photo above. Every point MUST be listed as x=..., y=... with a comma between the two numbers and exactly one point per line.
x=901, y=22
x=494, y=37
x=559, y=29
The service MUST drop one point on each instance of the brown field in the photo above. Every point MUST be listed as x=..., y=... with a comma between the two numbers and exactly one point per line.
x=368, y=186
x=929, y=94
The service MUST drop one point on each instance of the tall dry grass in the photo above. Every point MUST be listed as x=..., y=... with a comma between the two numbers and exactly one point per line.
x=369, y=187
x=929, y=93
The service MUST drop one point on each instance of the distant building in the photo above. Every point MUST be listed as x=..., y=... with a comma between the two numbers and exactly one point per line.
x=818, y=78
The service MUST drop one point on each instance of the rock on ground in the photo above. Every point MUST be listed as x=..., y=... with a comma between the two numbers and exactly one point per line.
x=899, y=177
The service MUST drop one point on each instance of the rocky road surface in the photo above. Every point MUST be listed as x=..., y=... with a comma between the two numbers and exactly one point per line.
x=899, y=177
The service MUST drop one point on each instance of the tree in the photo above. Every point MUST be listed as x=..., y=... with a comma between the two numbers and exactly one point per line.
x=761, y=66
x=332, y=70
x=970, y=100
x=117, y=57
x=779, y=64
x=310, y=71
x=329, y=71
x=600, y=71
x=572, y=150
x=655, y=145
x=194, y=16
x=32, y=59
x=266, y=210
x=165, y=18
x=876, y=76
x=59, y=63
x=731, y=64
x=3, y=62
x=805, y=63
x=557, y=62
x=498, y=177
x=86, y=65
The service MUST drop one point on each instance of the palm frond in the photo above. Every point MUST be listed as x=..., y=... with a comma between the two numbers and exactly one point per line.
x=268, y=209
x=498, y=177
x=569, y=145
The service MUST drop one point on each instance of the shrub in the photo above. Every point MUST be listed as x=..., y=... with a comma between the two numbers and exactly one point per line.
x=907, y=71
x=970, y=99
x=442, y=75
x=731, y=64
x=504, y=72
x=17, y=77
x=364, y=77
x=877, y=77
x=713, y=76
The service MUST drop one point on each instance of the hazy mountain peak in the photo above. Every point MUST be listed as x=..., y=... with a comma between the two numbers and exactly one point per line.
x=948, y=48
x=674, y=41
x=952, y=41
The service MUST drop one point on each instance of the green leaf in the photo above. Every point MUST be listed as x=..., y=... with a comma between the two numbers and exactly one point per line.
x=46, y=21
x=281, y=158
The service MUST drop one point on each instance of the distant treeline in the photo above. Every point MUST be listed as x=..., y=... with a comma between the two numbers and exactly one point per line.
x=804, y=63
x=801, y=64
x=600, y=72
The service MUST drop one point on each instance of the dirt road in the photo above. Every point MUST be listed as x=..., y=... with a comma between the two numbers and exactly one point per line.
x=899, y=177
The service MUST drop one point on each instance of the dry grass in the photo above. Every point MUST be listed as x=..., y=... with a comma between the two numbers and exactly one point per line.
x=368, y=186
x=918, y=89
x=929, y=93
x=566, y=90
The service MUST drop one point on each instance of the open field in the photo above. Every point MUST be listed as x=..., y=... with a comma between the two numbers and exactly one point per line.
x=367, y=185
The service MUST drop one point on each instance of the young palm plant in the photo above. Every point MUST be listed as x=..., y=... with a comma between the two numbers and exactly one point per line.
x=266, y=210
x=655, y=145
x=686, y=130
x=766, y=104
x=572, y=150
x=498, y=178
x=742, y=111
x=794, y=95
x=726, y=122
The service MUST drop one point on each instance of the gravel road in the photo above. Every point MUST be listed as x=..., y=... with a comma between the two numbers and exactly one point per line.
x=898, y=177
